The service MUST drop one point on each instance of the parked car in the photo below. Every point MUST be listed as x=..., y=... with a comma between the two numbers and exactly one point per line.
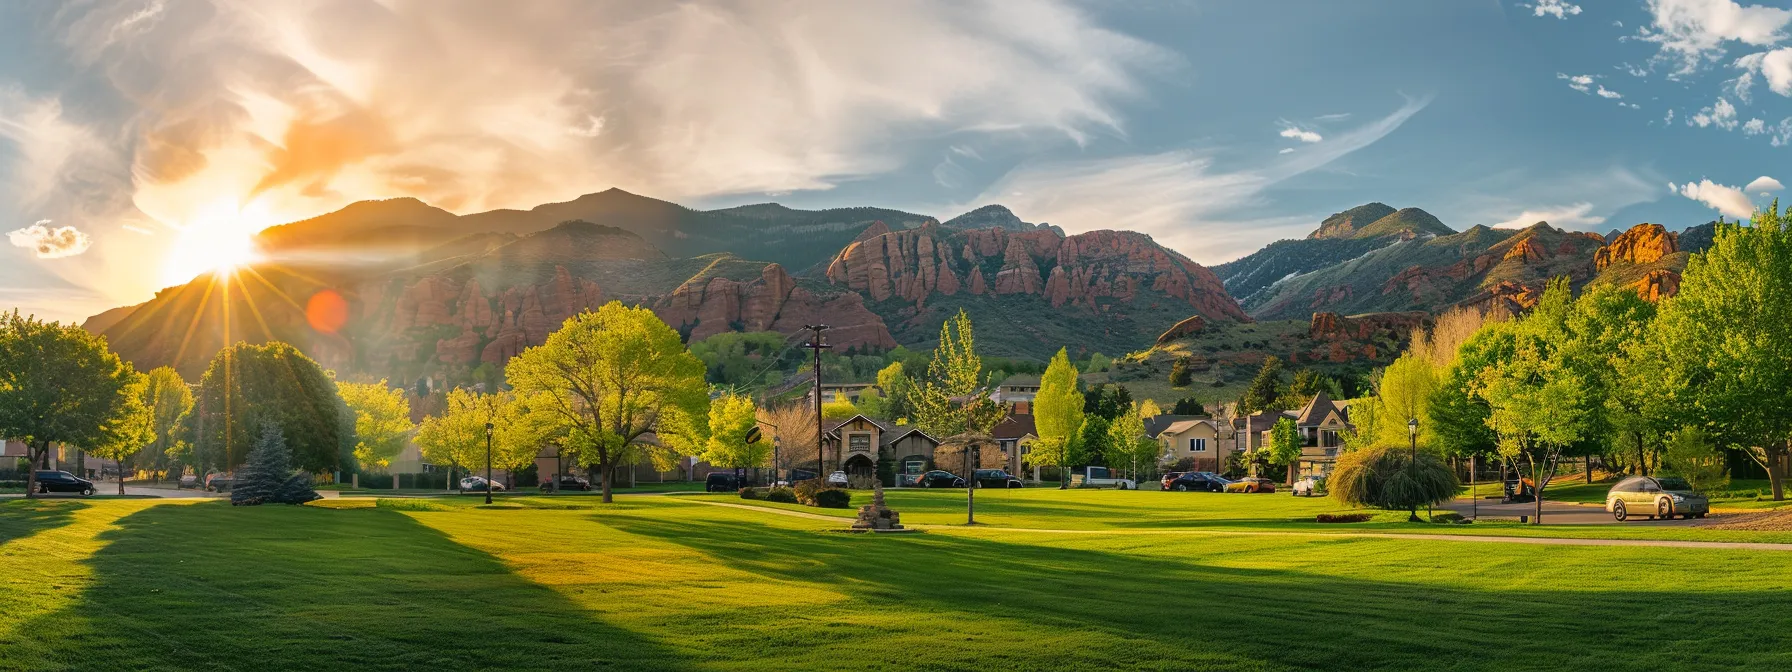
x=938, y=479
x=1168, y=477
x=1101, y=477
x=1251, y=484
x=187, y=481
x=837, y=478
x=997, y=478
x=1306, y=487
x=478, y=484
x=567, y=482
x=62, y=481
x=721, y=481
x=219, y=482
x=1659, y=498
x=1197, y=481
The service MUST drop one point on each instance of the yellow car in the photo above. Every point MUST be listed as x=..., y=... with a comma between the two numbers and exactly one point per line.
x=1251, y=484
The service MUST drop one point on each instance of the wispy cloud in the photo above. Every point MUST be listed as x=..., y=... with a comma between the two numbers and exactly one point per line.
x=1182, y=198
x=1578, y=215
x=1581, y=83
x=1720, y=114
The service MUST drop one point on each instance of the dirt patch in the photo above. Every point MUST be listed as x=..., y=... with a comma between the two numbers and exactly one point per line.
x=1769, y=521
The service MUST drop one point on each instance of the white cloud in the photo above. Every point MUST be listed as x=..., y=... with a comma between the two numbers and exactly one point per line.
x=1180, y=197
x=1295, y=133
x=1782, y=133
x=48, y=243
x=1695, y=31
x=1724, y=199
x=1565, y=217
x=593, y=127
x=1581, y=83
x=1720, y=114
x=1754, y=127
x=1764, y=184
x=1774, y=66
x=1608, y=93
x=1670, y=118
x=1556, y=8
x=1286, y=150
x=1340, y=116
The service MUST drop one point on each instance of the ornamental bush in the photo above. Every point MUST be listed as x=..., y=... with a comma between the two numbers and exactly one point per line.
x=1385, y=477
x=816, y=492
x=781, y=495
x=749, y=493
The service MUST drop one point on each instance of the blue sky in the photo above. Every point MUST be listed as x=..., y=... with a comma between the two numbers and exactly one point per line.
x=164, y=131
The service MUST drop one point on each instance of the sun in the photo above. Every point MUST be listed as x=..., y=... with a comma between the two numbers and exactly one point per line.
x=220, y=240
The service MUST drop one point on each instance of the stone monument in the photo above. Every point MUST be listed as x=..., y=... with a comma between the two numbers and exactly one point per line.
x=876, y=516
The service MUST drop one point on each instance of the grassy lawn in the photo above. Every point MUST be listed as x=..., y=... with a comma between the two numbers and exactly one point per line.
x=670, y=583
x=1051, y=509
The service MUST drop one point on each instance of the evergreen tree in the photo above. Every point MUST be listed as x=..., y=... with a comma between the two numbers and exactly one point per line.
x=266, y=475
x=1188, y=406
x=1267, y=392
x=1179, y=373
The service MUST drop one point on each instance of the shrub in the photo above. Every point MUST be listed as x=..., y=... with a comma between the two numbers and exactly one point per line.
x=781, y=495
x=12, y=484
x=749, y=493
x=816, y=492
x=1179, y=373
x=266, y=476
x=1386, y=477
x=833, y=498
x=1344, y=517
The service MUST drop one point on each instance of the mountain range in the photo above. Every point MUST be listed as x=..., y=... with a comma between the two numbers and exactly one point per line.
x=401, y=289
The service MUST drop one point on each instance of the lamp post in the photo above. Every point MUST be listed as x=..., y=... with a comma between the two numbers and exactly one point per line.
x=488, y=463
x=1412, y=432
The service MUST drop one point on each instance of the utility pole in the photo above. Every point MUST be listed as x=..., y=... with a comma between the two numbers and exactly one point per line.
x=973, y=458
x=817, y=344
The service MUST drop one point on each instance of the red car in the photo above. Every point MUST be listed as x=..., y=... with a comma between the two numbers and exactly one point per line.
x=1252, y=484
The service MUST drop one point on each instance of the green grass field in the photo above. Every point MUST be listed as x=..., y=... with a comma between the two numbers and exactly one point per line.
x=668, y=582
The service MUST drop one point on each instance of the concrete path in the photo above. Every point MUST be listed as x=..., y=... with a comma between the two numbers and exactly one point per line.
x=1470, y=538
x=1558, y=513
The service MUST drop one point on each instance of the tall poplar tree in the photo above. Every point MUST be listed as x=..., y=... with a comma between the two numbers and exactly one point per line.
x=1058, y=417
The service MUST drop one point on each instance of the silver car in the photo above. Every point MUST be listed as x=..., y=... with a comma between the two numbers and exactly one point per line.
x=1659, y=498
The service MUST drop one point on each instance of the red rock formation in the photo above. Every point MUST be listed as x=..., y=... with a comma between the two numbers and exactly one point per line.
x=1526, y=251
x=1658, y=284
x=1188, y=327
x=1642, y=244
x=1335, y=327
x=462, y=349
x=771, y=303
x=1076, y=270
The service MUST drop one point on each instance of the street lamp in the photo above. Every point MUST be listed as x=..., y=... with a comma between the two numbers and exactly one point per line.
x=1412, y=433
x=488, y=463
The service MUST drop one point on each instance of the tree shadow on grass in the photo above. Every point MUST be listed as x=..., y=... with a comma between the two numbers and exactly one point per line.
x=20, y=518
x=1129, y=609
x=208, y=586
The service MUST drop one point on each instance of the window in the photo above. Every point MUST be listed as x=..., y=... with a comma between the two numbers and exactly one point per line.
x=1197, y=445
x=914, y=465
x=861, y=443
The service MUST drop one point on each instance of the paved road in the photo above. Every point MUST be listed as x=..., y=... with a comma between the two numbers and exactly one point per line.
x=1556, y=513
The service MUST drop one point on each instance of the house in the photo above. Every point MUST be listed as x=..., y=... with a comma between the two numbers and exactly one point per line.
x=1014, y=434
x=858, y=443
x=1321, y=424
x=1019, y=390
x=1206, y=441
x=832, y=391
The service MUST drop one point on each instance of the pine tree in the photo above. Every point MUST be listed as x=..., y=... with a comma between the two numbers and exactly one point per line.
x=267, y=474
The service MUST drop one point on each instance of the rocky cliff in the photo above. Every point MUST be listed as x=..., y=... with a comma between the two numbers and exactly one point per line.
x=1075, y=271
x=772, y=302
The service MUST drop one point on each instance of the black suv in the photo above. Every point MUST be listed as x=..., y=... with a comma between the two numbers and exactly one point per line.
x=938, y=479
x=1199, y=481
x=567, y=482
x=720, y=481
x=997, y=478
x=62, y=481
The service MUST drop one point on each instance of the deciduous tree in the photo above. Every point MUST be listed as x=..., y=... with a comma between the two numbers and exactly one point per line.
x=169, y=401
x=611, y=376
x=731, y=417
x=1058, y=416
x=1284, y=446
x=247, y=386
x=60, y=384
x=456, y=436
x=382, y=421
x=1727, y=339
x=954, y=397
